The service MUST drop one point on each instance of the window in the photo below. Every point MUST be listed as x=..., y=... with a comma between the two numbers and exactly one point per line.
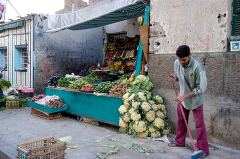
x=3, y=58
x=24, y=58
x=236, y=18
x=21, y=58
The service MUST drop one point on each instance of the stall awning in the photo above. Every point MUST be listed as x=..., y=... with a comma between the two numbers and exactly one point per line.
x=100, y=14
x=11, y=25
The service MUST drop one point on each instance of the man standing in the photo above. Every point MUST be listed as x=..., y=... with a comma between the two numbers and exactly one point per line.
x=192, y=80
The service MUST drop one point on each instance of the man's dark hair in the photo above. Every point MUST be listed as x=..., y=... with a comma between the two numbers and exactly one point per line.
x=183, y=51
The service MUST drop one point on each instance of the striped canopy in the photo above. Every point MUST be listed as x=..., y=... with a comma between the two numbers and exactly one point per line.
x=100, y=14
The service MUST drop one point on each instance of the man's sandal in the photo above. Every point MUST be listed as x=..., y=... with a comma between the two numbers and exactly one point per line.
x=173, y=143
x=203, y=156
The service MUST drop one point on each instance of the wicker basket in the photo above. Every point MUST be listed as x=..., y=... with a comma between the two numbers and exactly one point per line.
x=12, y=104
x=144, y=35
x=46, y=148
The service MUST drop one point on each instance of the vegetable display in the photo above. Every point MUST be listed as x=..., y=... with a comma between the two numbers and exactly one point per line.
x=65, y=81
x=37, y=97
x=103, y=87
x=51, y=101
x=88, y=87
x=143, y=114
x=78, y=84
x=118, y=90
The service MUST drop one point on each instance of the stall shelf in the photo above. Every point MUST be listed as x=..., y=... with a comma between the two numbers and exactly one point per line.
x=102, y=108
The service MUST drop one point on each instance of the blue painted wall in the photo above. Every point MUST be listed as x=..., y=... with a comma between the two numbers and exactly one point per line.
x=2, y=60
x=17, y=58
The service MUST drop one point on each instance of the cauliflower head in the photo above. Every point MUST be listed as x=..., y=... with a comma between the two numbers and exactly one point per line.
x=126, y=95
x=126, y=102
x=141, y=96
x=155, y=134
x=158, y=123
x=135, y=116
x=154, y=107
x=135, y=104
x=145, y=106
x=151, y=102
x=122, y=109
x=131, y=97
x=131, y=110
x=143, y=134
x=158, y=99
x=150, y=116
x=122, y=123
x=139, y=126
x=152, y=129
x=126, y=117
x=160, y=114
x=148, y=95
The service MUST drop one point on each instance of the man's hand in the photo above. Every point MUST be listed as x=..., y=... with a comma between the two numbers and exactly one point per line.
x=180, y=99
x=172, y=77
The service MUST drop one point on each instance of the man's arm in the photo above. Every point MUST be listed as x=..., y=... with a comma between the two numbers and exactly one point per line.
x=200, y=87
x=180, y=99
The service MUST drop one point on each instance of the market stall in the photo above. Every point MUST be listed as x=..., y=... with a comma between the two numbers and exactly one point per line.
x=98, y=95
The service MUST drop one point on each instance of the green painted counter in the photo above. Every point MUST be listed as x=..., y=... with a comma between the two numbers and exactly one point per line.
x=46, y=109
x=99, y=107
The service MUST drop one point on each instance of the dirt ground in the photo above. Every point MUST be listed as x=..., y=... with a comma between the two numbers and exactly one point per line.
x=17, y=126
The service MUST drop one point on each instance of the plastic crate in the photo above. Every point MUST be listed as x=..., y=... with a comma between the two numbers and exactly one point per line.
x=46, y=148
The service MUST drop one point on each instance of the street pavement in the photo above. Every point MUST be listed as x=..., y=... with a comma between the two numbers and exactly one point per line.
x=18, y=125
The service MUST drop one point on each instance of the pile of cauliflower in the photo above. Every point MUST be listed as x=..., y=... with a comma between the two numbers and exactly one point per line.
x=143, y=114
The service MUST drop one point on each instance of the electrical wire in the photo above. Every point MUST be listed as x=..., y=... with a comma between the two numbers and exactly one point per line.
x=14, y=8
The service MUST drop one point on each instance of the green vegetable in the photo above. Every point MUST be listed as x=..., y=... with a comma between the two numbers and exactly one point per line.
x=78, y=84
x=90, y=78
x=22, y=102
x=103, y=87
x=65, y=81
x=5, y=84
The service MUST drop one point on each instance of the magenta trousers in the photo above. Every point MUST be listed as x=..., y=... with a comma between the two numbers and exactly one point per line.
x=181, y=132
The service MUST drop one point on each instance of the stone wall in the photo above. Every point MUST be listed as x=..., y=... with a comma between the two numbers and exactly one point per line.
x=221, y=106
x=202, y=24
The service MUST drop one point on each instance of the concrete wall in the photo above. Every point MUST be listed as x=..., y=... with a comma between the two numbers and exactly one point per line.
x=94, y=1
x=65, y=52
x=203, y=26
x=130, y=26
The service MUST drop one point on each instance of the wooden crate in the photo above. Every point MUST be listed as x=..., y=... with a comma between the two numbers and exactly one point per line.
x=90, y=121
x=46, y=148
x=45, y=115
